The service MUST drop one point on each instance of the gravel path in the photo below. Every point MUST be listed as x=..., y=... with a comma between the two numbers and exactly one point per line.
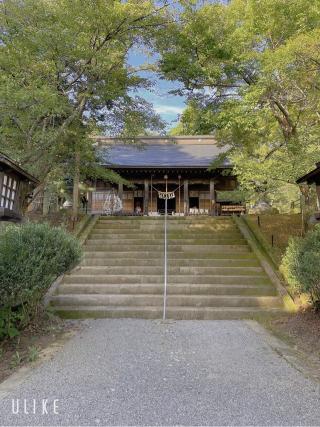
x=140, y=372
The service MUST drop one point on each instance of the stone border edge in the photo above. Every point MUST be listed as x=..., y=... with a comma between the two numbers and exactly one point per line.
x=296, y=358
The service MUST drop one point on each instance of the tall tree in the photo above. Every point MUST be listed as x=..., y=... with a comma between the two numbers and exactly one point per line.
x=64, y=75
x=251, y=72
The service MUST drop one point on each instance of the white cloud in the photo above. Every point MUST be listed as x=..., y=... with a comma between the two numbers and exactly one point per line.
x=168, y=109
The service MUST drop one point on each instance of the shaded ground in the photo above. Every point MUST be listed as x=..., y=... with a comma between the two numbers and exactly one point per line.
x=140, y=372
x=301, y=330
x=25, y=348
x=61, y=218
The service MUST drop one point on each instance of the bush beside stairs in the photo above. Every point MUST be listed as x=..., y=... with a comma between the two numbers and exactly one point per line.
x=212, y=273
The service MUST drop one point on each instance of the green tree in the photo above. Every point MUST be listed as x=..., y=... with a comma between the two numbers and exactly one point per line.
x=251, y=72
x=64, y=75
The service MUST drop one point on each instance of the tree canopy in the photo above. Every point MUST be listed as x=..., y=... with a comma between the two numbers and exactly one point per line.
x=64, y=75
x=251, y=73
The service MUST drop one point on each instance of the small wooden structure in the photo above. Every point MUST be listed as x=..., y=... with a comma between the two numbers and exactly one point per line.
x=15, y=184
x=310, y=178
x=182, y=164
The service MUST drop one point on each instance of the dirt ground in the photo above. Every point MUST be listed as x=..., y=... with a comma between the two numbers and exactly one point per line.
x=46, y=329
x=302, y=330
x=56, y=219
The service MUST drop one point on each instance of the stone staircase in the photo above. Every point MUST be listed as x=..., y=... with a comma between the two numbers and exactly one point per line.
x=212, y=273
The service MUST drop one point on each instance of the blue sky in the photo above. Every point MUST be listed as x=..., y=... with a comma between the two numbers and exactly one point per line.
x=166, y=105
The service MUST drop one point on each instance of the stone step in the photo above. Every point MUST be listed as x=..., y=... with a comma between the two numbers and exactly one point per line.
x=221, y=313
x=109, y=234
x=211, y=228
x=124, y=254
x=120, y=270
x=208, y=241
x=204, y=235
x=172, y=279
x=150, y=240
x=170, y=224
x=223, y=301
x=180, y=289
x=185, y=270
x=141, y=261
x=125, y=248
x=101, y=312
x=205, y=248
x=132, y=234
x=93, y=246
x=132, y=242
x=160, y=228
x=178, y=313
x=142, y=300
x=139, y=300
x=90, y=253
x=206, y=255
x=213, y=270
x=219, y=279
x=114, y=262
x=184, y=219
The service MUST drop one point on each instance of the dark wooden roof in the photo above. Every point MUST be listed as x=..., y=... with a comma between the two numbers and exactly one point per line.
x=160, y=152
x=311, y=177
x=10, y=164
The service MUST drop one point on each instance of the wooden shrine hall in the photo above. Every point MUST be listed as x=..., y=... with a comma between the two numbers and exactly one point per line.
x=178, y=164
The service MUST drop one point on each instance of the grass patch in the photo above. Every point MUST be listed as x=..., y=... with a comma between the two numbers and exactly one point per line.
x=276, y=229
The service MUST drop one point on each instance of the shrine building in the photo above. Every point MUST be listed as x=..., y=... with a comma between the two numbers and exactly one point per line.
x=180, y=164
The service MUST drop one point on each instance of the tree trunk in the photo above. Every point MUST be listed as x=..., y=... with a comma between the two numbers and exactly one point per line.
x=76, y=181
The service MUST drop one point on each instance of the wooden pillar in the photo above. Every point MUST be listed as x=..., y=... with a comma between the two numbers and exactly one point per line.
x=120, y=191
x=212, y=198
x=318, y=195
x=146, y=197
x=89, y=201
x=186, y=196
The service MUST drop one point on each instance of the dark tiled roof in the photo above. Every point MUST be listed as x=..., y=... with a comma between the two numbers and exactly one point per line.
x=191, y=154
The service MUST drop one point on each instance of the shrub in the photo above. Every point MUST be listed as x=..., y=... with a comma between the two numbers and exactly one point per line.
x=301, y=264
x=32, y=256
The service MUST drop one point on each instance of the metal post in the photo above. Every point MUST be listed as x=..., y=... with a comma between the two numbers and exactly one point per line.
x=165, y=251
x=179, y=193
x=151, y=194
x=165, y=260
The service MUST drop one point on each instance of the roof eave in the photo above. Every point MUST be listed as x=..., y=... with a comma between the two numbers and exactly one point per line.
x=310, y=177
x=11, y=164
x=112, y=166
